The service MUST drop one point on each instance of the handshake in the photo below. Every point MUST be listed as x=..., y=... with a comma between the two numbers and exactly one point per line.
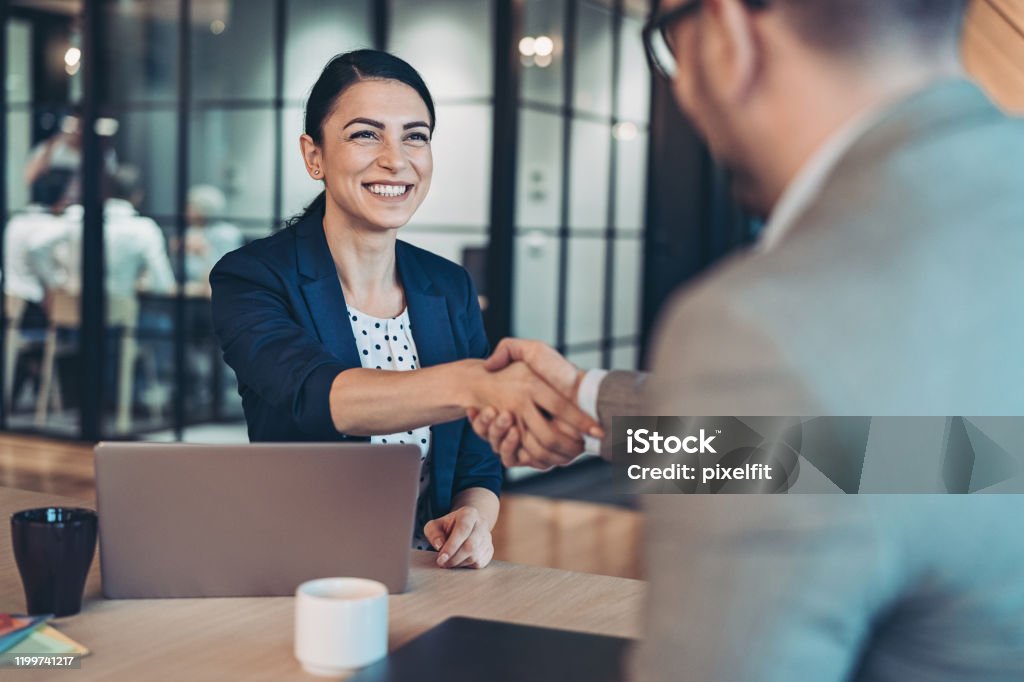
x=525, y=405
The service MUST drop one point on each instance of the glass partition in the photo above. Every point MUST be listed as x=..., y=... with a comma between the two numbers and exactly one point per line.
x=42, y=225
x=581, y=179
x=200, y=107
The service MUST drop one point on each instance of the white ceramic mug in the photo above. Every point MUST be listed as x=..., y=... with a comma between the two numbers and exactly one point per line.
x=341, y=624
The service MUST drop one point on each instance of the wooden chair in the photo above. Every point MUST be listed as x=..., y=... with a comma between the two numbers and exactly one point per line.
x=14, y=343
x=65, y=313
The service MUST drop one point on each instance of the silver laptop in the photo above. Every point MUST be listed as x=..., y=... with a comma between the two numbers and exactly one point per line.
x=252, y=520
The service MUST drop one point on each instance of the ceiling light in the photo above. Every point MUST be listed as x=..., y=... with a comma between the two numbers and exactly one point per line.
x=625, y=131
x=543, y=46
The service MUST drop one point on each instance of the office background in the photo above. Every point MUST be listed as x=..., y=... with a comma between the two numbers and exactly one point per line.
x=565, y=180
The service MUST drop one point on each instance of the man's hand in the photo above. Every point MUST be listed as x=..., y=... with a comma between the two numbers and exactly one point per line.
x=529, y=401
x=544, y=360
x=536, y=408
x=461, y=538
x=506, y=435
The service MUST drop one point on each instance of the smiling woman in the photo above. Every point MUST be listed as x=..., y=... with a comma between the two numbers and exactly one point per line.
x=338, y=331
x=373, y=144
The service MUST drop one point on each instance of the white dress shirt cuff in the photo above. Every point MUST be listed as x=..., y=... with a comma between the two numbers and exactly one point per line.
x=586, y=399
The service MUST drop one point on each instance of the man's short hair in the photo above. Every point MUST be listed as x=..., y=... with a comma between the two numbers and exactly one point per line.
x=206, y=200
x=853, y=27
x=124, y=183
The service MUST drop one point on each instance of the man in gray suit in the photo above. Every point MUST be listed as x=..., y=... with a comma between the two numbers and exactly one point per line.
x=888, y=281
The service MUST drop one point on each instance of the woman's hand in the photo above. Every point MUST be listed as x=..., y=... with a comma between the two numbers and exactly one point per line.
x=536, y=407
x=503, y=425
x=462, y=539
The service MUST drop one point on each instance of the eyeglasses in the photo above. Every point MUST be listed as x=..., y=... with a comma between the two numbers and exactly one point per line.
x=661, y=53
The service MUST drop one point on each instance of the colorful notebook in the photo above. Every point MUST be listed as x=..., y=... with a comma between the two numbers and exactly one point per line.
x=45, y=641
x=14, y=629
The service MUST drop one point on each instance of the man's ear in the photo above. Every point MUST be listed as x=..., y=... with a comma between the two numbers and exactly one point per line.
x=312, y=156
x=739, y=47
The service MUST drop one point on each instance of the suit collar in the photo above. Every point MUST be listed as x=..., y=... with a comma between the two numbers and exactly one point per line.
x=314, y=257
x=806, y=185
x=931, y=111
x=322, y=290
x=926, y=114
x=428, y=310
x=411, y=272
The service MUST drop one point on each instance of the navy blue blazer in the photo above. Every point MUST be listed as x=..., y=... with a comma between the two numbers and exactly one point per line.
x=280, y=316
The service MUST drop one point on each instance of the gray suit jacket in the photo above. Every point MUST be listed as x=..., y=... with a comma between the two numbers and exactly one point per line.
x=900, y=291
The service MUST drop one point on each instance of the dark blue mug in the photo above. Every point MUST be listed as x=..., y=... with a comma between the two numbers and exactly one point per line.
x=53, y=547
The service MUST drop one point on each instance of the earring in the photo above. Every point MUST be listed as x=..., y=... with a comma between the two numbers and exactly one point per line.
x=316, y=171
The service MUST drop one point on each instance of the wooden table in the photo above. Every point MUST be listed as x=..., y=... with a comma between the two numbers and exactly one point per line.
x=252, y=638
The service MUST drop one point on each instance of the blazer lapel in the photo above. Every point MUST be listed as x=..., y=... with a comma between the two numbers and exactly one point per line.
x=428, y=311
x=322, y=291
x=432, y=331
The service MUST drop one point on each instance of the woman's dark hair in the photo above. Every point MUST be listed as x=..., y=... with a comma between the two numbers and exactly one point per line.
x=341, y=73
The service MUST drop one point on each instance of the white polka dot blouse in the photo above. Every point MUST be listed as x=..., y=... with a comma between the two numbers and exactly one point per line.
x=387, y=344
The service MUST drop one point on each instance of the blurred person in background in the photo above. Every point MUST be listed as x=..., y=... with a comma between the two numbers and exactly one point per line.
x=136, y=262
x=135, y=251
x=207, y=239
x=25, y=289
x=53, y=171
x=26, y=231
